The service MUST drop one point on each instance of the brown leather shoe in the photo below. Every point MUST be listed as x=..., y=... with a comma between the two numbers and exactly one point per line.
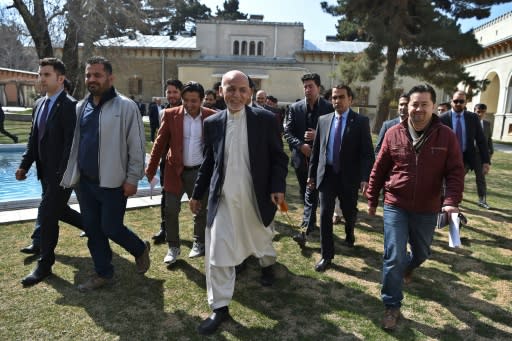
x=143, y=262
x=408, y=276
x=391, y=318
x=93, y=283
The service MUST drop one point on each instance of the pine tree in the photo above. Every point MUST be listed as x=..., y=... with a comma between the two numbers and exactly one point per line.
x=418, y=38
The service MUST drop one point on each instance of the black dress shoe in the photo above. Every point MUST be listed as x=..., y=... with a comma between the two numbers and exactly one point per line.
x=300, y=238
x=36, y=276
x=159, y=238
x=348, y=243
x=31, y=249
x=267, y=276
x=322, y=265
x=212, y=323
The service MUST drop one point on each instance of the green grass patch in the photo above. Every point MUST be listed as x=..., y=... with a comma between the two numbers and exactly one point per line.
x=460, y=294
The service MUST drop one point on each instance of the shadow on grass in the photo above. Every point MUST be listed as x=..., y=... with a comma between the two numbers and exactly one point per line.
x=446, y=289
x=132, y=308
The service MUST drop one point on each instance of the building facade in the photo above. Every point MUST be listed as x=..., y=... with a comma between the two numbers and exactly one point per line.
x=274, y=54
x=495, y=65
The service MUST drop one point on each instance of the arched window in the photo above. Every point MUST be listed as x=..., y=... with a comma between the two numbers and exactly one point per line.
x=252, y=48
x=260, y=48
x=236, y=47
x=244, y=48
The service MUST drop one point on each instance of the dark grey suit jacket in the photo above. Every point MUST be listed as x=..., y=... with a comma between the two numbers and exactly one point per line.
x=474, y=134
x=55, y=145
x=385, y=126
x=268, y=161
x=356, y=151
x=296, y=126
x=488, y=136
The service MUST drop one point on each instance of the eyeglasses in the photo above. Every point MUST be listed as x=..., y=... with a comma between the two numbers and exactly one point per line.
x=459, y=101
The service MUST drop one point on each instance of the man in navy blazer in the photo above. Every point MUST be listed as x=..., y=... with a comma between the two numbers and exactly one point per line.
x=472, y=136
x=403, y=100
x=244, y=171
x=48, y=146
x=340, y=169
x=299, y=132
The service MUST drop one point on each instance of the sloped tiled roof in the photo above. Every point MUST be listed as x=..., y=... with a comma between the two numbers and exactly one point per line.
x=334, y=46
x=149, y=41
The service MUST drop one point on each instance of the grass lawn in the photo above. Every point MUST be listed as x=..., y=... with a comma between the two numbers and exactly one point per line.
x=459, y=294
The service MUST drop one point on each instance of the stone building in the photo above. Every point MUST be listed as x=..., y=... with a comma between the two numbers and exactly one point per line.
x=495, y=65
x=274, y=54
x=17, y=87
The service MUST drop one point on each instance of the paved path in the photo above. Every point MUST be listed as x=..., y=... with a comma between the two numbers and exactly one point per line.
x=506, y=148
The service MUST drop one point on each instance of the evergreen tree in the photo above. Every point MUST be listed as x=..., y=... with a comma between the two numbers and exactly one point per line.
x=424, y=33
x=230, y=11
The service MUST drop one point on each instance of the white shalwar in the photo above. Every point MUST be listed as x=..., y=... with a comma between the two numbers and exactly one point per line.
x=237, y=230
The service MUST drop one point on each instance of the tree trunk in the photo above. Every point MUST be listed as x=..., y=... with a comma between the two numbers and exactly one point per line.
x=387, y=91
x=70, y=55
x=37, y=25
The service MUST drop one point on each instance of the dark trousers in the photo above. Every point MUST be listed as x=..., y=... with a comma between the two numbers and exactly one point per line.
x=162, y=201
x=481, y=185
x=173, y=209
x=68, y=215
x=53, y=207
x=14, y=138
x=330, y=189
x=103, y=212
x=310, y=198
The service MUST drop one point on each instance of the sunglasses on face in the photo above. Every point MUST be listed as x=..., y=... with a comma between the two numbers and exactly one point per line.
x=458, y=101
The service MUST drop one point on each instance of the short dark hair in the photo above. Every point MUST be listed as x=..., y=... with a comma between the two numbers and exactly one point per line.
x=272, y=99
x=311, y=77
x=174, y=82
x=423, y=88
x=346, y=87
x=445, y=104
x=216, y=85
x=480, y=106
x=211, y=92
x=193, y=87
x=252, y=85
x=68, y=86
x=107, y=65
x=56, y=63
x=404, y=95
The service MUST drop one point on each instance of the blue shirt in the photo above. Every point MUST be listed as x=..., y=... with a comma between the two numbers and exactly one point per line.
x=89, y=140
x=463, y=123
x=330, y=145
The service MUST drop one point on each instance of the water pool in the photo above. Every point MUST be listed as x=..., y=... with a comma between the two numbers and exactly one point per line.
x=29, y=189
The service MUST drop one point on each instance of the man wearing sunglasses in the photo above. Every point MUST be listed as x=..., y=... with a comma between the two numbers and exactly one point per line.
x=469, y=132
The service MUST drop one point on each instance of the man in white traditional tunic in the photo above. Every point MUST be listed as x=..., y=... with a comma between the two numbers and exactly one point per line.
x=245, y=171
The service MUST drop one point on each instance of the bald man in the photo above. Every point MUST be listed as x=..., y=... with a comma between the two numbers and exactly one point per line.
x=245, y=171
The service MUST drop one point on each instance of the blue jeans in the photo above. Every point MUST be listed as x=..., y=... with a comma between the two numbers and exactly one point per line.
x=103, y=214
x=400, y=227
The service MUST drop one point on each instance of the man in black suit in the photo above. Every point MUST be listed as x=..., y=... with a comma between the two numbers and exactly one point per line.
x=341, y=162
x=469, y=132
x=403, y=100
x=244, y=171
x=49, y=145
x=481, y=185
x=299, y=132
